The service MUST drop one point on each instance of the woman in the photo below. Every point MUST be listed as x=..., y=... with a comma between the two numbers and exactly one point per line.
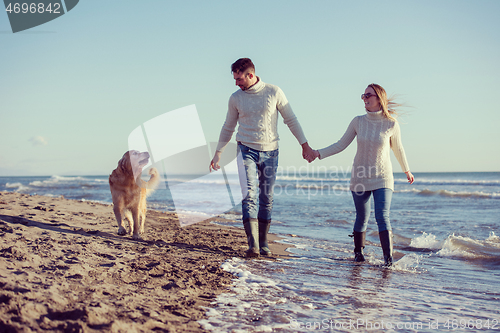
x=376, y=132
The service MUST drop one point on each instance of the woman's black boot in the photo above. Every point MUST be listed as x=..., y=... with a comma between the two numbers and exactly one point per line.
x=359, y=245
x=386, y=243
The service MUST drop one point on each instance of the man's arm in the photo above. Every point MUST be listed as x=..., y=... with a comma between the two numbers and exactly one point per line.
x=289, y=117
x=293, y=124
x=226, y=133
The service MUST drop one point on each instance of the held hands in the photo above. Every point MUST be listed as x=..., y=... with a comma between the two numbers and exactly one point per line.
x=308, y=153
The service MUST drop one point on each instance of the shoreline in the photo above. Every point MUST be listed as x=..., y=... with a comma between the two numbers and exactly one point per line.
x=63, y=267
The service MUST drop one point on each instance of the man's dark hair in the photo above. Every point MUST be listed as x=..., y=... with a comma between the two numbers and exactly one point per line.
x=241, y=65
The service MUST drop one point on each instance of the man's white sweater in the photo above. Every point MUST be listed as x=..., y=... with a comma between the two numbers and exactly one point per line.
x=256, y=110
x=372, y=167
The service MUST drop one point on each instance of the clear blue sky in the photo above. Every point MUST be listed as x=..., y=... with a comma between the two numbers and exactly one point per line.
x=73, y=89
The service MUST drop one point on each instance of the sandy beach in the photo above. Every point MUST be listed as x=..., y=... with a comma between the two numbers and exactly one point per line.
x=63, y=268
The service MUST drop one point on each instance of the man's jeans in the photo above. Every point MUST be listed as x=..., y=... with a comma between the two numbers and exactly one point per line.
x=382, y=201
x=257, y=171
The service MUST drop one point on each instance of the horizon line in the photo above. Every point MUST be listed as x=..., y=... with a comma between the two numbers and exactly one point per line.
x=187, y=174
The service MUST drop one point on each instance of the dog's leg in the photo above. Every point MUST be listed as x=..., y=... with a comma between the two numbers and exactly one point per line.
x=118, y=214
x=142, y=212
x=130, y=219
x=135, y=215
x=143, y=220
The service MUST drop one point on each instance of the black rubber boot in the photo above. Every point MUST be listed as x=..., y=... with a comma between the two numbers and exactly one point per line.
x=359, y=245
x=252, y=230
x=386, y=243
x=264, y=226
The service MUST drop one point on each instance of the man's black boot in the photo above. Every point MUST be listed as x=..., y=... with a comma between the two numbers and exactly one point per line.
x=264, y=226
x=251, y=227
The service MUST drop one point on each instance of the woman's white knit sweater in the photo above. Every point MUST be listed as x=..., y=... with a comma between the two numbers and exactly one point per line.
x=256, y=111
x=372, y=167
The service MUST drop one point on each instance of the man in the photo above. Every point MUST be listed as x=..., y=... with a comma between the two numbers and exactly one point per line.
x=255, y=108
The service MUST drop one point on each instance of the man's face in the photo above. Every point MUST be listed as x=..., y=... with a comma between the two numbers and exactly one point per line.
x=243, y=80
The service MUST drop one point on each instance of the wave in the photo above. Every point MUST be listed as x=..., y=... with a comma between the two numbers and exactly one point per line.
x=342, y=178
x=174, y=181
x=58, y=185
x=454, y=194
x=460, y=246
x=18, y=187
x=57, y=180
x=252, y=293
x=314, y=187
x=471, y=248
x=425, y=192
x=313, y=179
x=426, y=241
x=462, y=182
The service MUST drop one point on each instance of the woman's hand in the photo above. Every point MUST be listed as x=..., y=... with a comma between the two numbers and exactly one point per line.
x=410, y=177
x=316, y=154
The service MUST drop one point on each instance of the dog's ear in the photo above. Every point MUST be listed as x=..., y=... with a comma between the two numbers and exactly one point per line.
x=124, y=163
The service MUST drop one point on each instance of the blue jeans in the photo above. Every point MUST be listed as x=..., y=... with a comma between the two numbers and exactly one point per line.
x=382, y=202
x=257, y=170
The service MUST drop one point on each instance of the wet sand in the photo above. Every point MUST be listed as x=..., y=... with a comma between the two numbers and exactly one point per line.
x=64, y=268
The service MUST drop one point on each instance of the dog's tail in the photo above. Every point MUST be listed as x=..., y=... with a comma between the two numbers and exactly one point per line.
x=153, y=181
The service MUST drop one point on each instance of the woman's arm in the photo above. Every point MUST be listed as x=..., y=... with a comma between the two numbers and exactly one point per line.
x=342, y=144
x=399, y=152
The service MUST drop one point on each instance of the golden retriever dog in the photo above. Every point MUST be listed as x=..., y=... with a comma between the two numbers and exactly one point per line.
x=129, y=191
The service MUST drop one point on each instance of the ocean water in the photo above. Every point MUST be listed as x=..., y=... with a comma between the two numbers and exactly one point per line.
x=446, y=274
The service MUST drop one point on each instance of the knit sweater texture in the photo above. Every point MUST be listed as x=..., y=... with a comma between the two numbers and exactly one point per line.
x=372, y=167
x=256, y=110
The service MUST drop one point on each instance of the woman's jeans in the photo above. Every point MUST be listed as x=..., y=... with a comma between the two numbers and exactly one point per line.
x=382, y=202
x=257, y=170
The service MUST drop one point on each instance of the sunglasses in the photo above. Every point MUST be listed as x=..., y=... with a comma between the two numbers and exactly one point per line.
x=363, y=96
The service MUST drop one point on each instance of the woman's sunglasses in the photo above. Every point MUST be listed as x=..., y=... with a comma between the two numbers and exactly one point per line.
x=363, y=96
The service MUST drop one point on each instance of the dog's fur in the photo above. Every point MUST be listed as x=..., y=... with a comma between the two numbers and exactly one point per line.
x=129, y=191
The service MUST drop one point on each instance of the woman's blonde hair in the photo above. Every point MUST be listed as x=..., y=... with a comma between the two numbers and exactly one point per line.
x=389, y=107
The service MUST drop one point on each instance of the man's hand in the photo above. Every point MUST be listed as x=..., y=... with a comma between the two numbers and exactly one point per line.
x=308, y=153
x=215, y=162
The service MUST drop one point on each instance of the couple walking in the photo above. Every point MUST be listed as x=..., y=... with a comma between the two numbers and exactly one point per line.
x=255, y=109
